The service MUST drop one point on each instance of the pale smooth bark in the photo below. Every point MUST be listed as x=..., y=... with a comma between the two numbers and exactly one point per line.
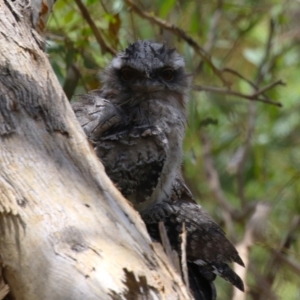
x=65, y=231
x=255, y=230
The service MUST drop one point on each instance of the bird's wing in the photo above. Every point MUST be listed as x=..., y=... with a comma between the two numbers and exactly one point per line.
x=207, y=239
x=134, y=159
x=206, y=244
x=95, y=114
x=133, y=156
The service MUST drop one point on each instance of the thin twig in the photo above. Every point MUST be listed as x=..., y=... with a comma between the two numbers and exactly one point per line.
x=253, y=97
x=180, y=33
x=98, y=35
x=236, y=73
x=255, y=87
x=171, y=254
x=183, y=257
x=268, y=87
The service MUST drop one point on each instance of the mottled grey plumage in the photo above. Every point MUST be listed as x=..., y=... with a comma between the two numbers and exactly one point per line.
x=146, y=87
x=136, y=124
x=207, y=245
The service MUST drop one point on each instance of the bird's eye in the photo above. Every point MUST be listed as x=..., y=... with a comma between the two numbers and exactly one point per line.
x=167, y=74
x=127, y=74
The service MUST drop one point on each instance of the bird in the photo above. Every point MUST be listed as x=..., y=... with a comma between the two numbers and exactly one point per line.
x=136, y=123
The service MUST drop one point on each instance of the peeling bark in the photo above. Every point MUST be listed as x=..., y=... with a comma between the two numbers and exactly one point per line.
x=65, y=230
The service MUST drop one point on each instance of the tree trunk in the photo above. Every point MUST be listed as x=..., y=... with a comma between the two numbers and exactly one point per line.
x=65, y=230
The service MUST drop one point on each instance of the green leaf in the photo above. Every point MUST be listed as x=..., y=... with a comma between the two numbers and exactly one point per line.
x=69, y=16
x=165, y=8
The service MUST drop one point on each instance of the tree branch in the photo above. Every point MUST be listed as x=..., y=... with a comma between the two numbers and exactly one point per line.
x=98, y=35
x=253, y=232
x=179, y=33
x=252, y=97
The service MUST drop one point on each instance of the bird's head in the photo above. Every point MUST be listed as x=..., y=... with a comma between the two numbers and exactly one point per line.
x=145, y=70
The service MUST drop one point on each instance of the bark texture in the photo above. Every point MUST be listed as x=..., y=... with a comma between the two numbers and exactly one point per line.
x=65, y=230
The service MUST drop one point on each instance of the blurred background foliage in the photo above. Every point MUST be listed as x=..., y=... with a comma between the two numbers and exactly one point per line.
x=242, y=160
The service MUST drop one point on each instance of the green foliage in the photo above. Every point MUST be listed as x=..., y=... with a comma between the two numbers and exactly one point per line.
x=236, y=34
